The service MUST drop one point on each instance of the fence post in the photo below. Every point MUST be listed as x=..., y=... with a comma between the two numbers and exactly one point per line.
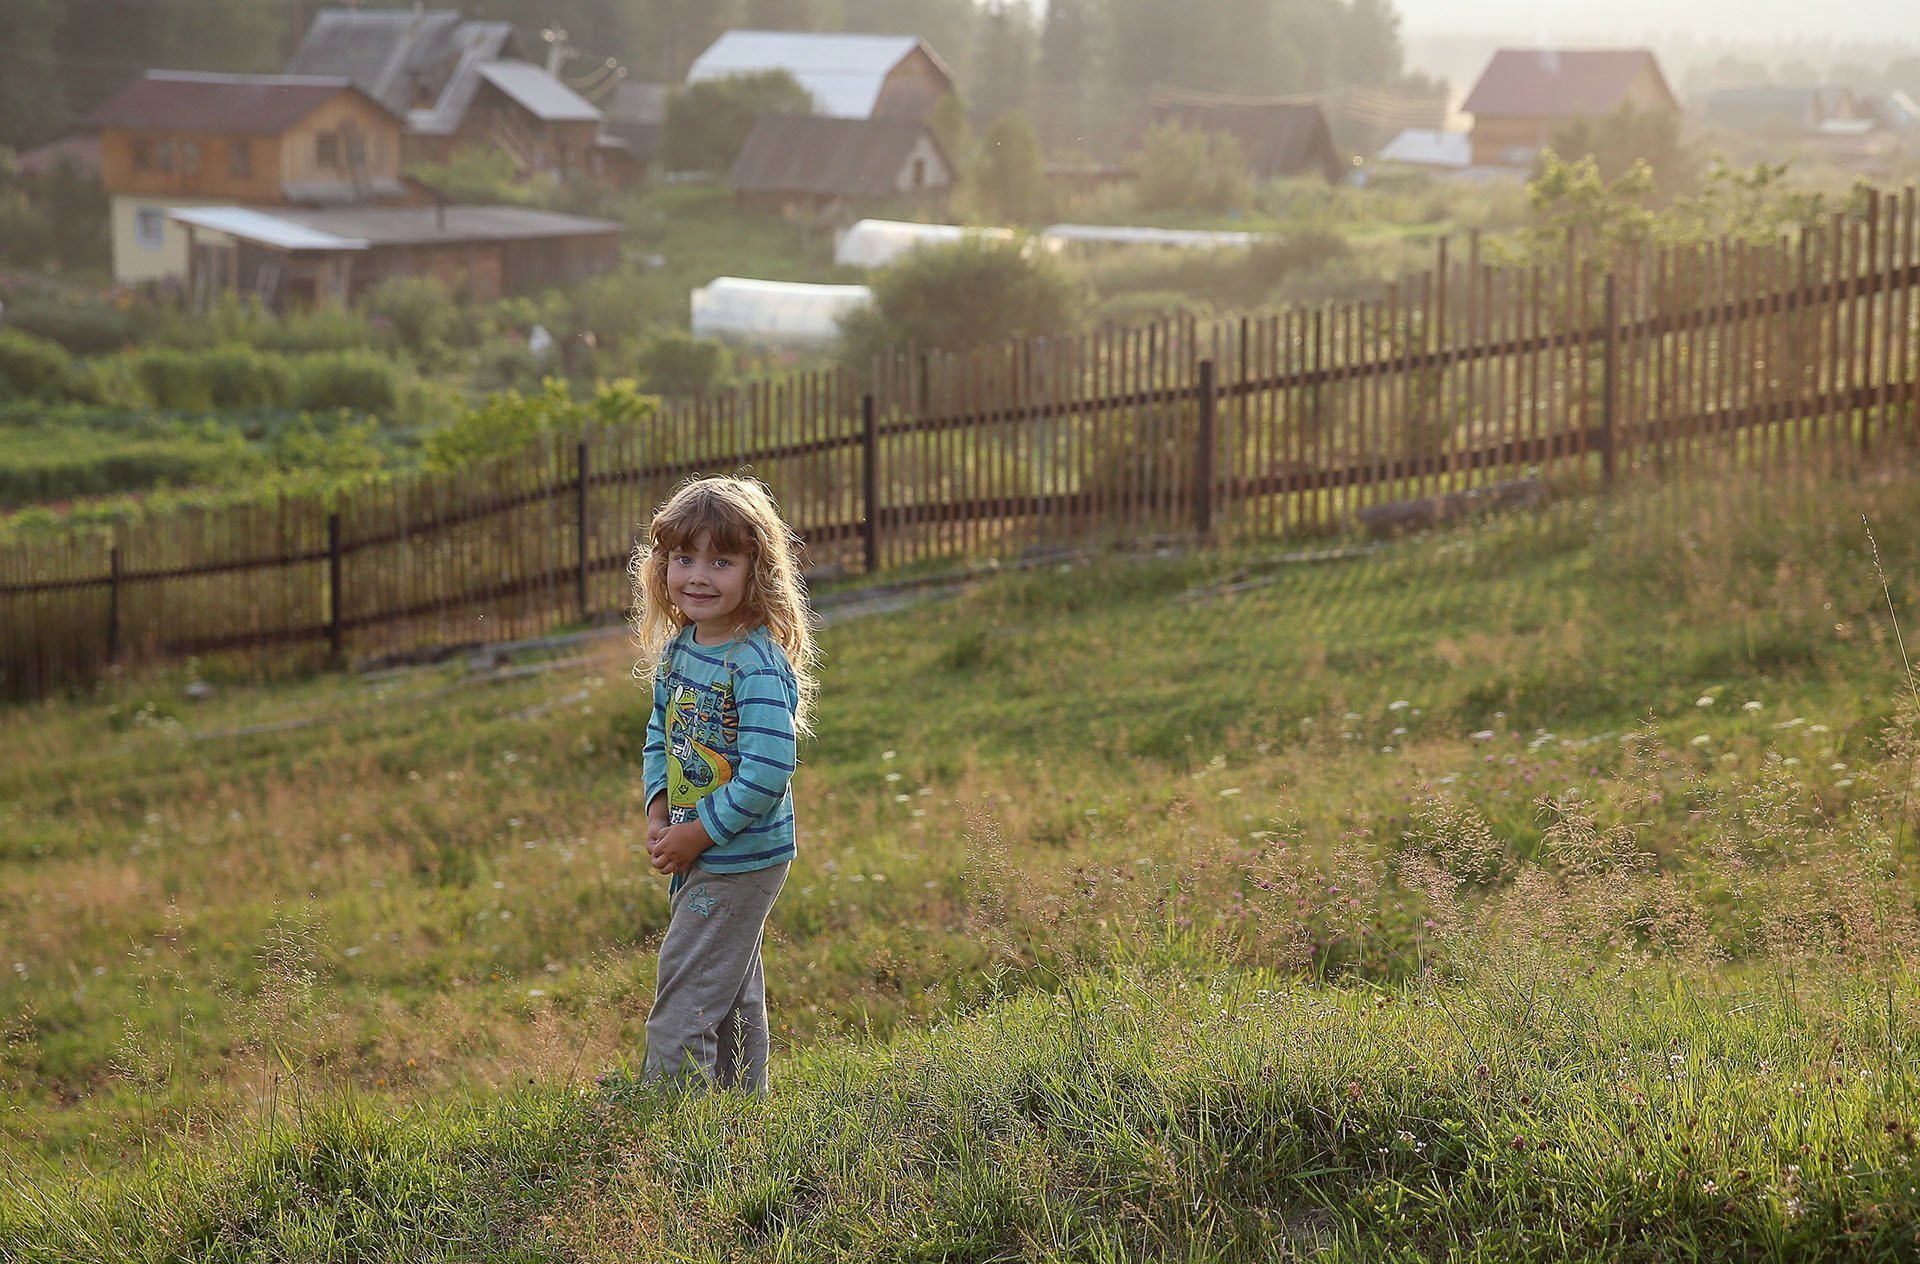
x=1609, y=390
x=869, y=484
x=113, y=605
x=335, y=624
x=1203, y=456
x=580, y=531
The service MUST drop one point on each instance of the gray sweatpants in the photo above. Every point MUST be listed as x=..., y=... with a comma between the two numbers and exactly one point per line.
x=709, y=1017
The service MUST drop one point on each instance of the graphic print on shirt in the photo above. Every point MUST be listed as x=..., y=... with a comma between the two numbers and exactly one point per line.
x=701, y=723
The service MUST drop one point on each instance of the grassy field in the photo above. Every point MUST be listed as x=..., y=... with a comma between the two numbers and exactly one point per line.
x=1536, y=889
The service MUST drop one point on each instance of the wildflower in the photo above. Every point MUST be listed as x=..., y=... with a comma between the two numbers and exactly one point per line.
x=1704, y=700
x=1750, y=706
x=1702, y=739
x=1484, y=735
x=1399, y=705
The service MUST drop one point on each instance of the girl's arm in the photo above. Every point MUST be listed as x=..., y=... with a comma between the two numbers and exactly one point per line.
x=765, y=697
x=653, y=756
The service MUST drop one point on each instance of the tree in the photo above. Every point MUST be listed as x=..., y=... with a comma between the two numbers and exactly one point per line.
x=708, y=122
x=1002, y=60
x=1010, y=178
x=958, y=296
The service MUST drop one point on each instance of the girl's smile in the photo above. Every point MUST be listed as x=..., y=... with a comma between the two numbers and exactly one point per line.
x=708, y=587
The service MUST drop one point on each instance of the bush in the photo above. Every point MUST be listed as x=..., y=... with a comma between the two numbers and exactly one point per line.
x=43, y=467
x=171, y=378
x=35, y=367
x=419, y=308
x=240, y=377
x=83, y=327
x=360, y=381
x=1200, y=171
x=678, y=365
x=960, y=295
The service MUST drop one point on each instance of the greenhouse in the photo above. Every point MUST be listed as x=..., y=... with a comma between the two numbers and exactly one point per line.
x=773, y=313
x=875, y=243
x=1061, y=237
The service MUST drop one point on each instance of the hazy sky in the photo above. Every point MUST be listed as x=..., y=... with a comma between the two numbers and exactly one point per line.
x=1636, y=21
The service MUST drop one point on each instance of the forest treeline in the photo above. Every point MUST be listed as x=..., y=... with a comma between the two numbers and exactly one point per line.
x=1080, y=69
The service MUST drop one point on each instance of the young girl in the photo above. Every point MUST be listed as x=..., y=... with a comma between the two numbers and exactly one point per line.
x=723, y=633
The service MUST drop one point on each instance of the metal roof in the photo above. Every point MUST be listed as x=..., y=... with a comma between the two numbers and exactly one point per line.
x=1424, y=147
x=1058, y=235
x=183, y=101
x=539, y=93
x=271, y=230
x=1559, y=82
x=844, y=73
x=367, y=227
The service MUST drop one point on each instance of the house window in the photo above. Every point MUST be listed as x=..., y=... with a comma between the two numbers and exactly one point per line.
x=240, y=158
x=163, y=156
x=190, y=156
x=141, y=153
x=149, y=227
x=919, y=173
x=326, y=150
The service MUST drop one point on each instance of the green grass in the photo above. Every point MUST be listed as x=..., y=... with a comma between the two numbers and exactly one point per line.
x=1533, y=889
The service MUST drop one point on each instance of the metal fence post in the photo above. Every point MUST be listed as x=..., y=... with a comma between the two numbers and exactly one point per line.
x=1203, y=456
x=580, y=532
x=113, y=605
x=870, y=484
x=335, y=621
x=1610, y=372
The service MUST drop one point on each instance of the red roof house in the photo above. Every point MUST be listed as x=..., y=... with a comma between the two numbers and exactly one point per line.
x=1526, y=93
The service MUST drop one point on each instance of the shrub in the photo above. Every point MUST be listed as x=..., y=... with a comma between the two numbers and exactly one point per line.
x=678, y=365
x=360, y=381
x=34, y=367
x=171, y=378
x=89, y=327
x=240, y=377
x=42, y=468
x=1201, y=171
x=959, y=295
x=420, y=309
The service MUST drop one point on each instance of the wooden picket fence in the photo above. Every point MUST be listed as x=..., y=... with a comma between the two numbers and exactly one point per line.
x=1468, y=376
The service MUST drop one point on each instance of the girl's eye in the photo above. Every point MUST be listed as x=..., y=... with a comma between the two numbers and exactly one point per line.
x=723, y=562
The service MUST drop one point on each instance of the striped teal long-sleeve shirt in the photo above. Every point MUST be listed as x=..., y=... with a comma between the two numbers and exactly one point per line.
x=720, y=745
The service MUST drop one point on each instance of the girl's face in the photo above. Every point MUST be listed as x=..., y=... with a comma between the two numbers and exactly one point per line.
x=709, y=587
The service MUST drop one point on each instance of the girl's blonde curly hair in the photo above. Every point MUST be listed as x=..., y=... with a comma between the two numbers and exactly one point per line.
x=737, y=515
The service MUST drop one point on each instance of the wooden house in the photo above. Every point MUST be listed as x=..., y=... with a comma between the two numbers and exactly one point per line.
x=848, y=76
x=1525, y=94
x=806, y=164
x=176, y=139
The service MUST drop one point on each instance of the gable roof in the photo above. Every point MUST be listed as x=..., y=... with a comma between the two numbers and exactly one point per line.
x=538, y=92
x=400, y=55
x=832, y=157
x=184, y=101
x=1560, y=82
x=1279, y=138
x=1426, y=147
x=843, y=72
